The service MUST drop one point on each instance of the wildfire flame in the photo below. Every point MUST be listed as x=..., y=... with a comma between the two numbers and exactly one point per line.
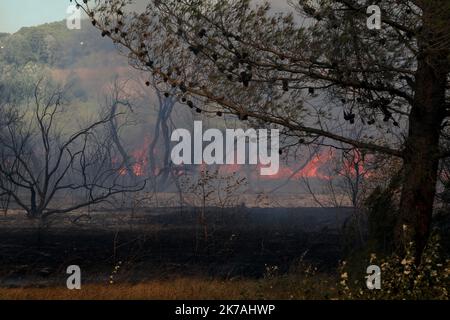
x=312, y=168
x=140, y=161
x=317, y=167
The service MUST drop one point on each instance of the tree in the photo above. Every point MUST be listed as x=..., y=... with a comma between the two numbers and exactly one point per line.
x=159, y=164
x=162, y=131
x=114, y=100
x=163, y=103
x=47, y=167
x=308, y=72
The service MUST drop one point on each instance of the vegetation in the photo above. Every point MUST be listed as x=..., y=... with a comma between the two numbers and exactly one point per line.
x=379, y=97
x=403, y=277
x=42, y=164
x=304, y=77
x=187, y=289
x=51, y=44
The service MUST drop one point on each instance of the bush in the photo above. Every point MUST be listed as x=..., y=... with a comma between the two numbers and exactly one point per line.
x=403, y=278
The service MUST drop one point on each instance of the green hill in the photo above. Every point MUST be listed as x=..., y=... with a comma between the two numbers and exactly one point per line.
x=54, y=45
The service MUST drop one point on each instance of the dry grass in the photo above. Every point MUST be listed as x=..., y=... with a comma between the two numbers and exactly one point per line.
x=185, y=288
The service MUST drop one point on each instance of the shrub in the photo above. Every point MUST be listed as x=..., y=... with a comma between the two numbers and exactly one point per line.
x=402, y=277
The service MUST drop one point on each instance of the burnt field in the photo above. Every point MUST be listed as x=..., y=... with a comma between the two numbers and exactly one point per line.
x=162, y=243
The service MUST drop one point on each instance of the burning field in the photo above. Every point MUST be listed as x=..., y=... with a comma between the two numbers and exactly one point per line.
x=165, y=243
x=232, y=149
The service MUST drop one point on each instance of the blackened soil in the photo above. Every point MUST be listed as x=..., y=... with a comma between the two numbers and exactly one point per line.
x=159, y=243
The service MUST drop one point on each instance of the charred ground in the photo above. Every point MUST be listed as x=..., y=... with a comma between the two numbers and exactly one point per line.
x=162, y=243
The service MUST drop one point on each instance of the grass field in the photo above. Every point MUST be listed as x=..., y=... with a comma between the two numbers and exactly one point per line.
x=284, y=287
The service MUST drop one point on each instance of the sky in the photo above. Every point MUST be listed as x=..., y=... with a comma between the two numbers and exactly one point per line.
x=15, y=14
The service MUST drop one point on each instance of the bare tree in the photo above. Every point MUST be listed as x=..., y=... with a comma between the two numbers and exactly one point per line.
x=161, y=167
x=47, y=167
x=116, y=99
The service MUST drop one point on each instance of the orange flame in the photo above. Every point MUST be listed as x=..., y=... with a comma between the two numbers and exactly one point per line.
x=315, y=168
x=140, y=161
x=140, y=157
x=312, y=168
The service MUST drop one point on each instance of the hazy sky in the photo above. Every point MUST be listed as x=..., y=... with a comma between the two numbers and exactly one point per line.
x=15, y=14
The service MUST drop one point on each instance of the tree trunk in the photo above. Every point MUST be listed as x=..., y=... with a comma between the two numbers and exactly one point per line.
x=421, y=155
x=33, y=207
x=116, y=139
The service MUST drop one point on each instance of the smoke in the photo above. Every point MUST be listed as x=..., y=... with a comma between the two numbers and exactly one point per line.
x=277, y=5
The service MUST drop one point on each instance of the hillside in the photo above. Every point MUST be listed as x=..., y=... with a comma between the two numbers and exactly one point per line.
x=80, y=59
x=54, y=45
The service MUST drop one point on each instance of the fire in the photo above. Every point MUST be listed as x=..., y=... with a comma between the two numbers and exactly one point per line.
x=122, y=171
x=138, y=169
x=318, y=166
x=312, y=168
x=139, y=161
x=140, y=157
